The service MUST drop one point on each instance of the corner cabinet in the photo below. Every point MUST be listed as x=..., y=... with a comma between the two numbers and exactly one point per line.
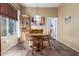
x=25, y=28
x=25, y=23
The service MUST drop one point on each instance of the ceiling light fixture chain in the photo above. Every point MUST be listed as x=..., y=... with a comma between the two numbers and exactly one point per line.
x=37, y=7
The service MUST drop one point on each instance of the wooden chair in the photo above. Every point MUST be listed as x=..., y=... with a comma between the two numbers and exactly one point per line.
x=37, y=44
x=47, y=38
x=24, y=38
x=37, y=41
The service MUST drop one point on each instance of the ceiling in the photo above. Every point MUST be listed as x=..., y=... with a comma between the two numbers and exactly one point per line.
x=40, y=4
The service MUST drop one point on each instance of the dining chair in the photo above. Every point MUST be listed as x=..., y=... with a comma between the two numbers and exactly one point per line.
x=47, y=38
x=37, y=44
x=37, y=40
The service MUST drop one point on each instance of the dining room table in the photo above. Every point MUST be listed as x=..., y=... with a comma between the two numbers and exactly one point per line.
x=37, y=40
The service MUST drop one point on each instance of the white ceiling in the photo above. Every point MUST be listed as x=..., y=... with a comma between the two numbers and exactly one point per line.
x=40, y=4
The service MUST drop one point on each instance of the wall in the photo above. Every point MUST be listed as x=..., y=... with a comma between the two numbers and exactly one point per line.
x=69, y=33
x=8, y=42
x=46, y=12
x=41, y=11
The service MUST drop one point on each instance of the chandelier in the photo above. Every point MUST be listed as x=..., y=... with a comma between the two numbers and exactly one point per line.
x=37, y=17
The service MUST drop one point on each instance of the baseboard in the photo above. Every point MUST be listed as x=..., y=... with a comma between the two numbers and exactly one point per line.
x=8, y=48
x=69, y=46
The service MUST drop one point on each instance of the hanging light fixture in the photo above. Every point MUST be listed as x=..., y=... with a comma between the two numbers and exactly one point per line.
x=37, y=17
x=37, y=7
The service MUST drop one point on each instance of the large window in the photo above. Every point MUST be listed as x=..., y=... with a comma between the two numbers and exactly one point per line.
x=3, y=26
x=8, y=26
x=12, y=27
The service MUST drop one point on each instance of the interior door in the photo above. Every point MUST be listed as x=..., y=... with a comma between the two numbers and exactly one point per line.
x=53, y=26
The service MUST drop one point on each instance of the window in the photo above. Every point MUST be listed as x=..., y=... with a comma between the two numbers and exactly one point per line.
x=8, y=26
x=3, y=26
x=12, y=27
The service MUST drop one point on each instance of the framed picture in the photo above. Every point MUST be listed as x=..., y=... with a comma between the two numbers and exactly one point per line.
x=38, y=20
x=67, y=19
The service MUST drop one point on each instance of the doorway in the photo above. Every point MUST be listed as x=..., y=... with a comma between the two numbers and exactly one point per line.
x=52, y=24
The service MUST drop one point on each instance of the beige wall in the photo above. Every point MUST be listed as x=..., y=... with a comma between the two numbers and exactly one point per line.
x=41, y=11
x=69, y=33
x=47, y=12
x=8, y=42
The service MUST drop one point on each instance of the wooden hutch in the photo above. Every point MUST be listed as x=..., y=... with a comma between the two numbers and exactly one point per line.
x=25, y=23
x=25, y=26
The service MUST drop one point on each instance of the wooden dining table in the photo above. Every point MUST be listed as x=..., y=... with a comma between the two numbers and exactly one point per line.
x=37, y=40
